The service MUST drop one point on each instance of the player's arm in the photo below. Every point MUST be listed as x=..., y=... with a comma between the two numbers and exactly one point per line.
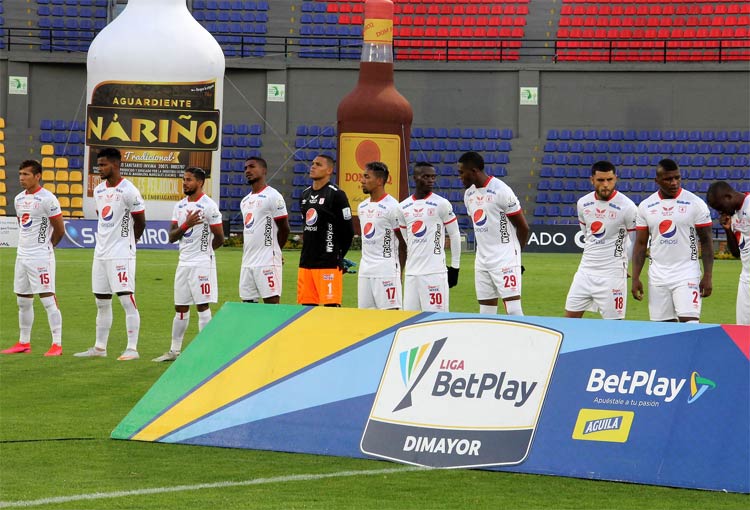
x=58, y=229
x=451, y=228
x=139, y=224
x=639, y=259
x=726, y=221
x=283, y=229
x=218, y=231
x=401, y=248
x=707, y=257
x=345, y=229
x=631, y=244
x=518, y=220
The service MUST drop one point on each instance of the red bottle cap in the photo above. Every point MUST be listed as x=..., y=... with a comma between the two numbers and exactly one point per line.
x=378, y=9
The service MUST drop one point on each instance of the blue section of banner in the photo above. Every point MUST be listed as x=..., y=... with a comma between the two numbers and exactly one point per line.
x=82, y=234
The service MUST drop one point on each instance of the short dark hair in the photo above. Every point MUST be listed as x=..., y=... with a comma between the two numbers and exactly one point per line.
x=197, y=172
x=717, y=189
x=110, y=153
x=602, y=166
x=331, y=161
x=472, y=160
x=259, y=160
x=36, y=167
x=380, y=168
x=668, y=165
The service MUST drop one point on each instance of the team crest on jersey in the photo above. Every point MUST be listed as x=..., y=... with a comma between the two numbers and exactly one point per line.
x=418, y=228
x=667, y=229
x=598, y=230
x=311, y=218
x=26, y=220
x=430, y=212
x=368, y=231
x=612, y=215
x=249, y=220
x=107, y=213
x=480, y=217
x=682, y=209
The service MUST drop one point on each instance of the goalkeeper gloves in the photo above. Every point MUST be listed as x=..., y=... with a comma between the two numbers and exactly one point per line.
x=452, y=276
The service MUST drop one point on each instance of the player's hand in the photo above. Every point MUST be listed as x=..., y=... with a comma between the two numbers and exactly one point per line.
x=523, y=269
x=348, y=265
x=452, y=276
x=637, y=289
x=725, y=221
x=193, y=218
x=706, y=286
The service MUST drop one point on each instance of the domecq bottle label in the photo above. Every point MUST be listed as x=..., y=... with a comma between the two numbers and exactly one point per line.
x=358, y=149
x=160, y=128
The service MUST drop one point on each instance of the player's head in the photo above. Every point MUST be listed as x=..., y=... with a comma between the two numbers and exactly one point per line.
x=722, y=197
x=603, y=179
x=322, y=168
x=255, y=170
x=374, y=177
x=668, y=178
x=193, y=180
x=424, y=177
x=29, y=174
x=108, y=162
x=471, y=169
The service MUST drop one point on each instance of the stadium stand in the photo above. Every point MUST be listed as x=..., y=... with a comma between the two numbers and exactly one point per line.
x=239, y=26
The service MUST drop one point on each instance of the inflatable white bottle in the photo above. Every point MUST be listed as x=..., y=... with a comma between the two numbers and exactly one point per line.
x=155, y=91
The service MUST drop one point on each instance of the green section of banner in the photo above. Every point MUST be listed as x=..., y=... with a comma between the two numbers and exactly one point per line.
x=222, y=340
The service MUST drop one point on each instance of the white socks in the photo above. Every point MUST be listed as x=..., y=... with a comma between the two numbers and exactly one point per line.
x=25, y=318
x=204, y=318
x=488, y=309
x=179, y=326
x=103, y=322
x=54, y=317
x=513, y=307
x=132, y=319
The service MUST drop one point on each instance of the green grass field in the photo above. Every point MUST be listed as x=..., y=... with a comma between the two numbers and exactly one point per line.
x=56, y=414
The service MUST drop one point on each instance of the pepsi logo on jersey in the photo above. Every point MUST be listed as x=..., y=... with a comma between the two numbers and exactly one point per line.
x=667, y=230
x=311, y=217
x=368, y=231
x=249, y=221
x=26, y=220
x=107, y=213
x=480, y=217
x=418, y=229
x=598, y=230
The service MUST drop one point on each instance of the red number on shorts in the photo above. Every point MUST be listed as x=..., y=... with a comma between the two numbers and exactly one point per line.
x=271, y=284
x=44, y=278
x=619, y=302
x=390, y=292
x=436, y=298
x=509, y=281
x=205, y=289
x=695, y=297
x=122, y=276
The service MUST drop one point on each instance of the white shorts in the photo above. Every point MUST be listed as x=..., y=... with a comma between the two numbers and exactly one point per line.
x=743, y=302
x=606, y=295
x=34, y=276
x=195, y=285
x=378, y=292
x=501, y=283
x=668, y=302
x=428, y=293
x=260, y=282
x=112, y=276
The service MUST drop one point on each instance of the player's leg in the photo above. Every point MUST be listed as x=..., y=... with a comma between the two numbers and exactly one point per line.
x=365, y=298
x=386, y=293
x=205, y=290
x=329, y=283
x=100, y=286
x=25, y=300
x=307, y=292
x=49, y=301
x=248, y=290
x=579, y=297
x=411, y=293
x=125, y=269
x=182, y=299
x=509, y=287
x=687, y=301
x=743, y=303
x=486, y=290
x=660, y=305
x=610, y=296
x=268, y=280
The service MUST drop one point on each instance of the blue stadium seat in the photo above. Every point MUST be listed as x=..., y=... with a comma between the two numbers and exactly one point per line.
x=543, y=185
x=553, y=135
x=540, y=210
x=542, y=198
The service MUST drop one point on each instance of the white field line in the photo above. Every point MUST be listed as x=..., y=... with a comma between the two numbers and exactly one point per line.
x=201, y=486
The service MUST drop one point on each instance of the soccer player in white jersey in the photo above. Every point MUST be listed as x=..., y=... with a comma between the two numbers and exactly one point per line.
x=676, y=221
x=40, y=229
x=197, y=225
x=607, y=219
x=426, y=218
x=735, y=218
x=500, y=230
x=379, y=282
x=122, y=219
x=265, y=231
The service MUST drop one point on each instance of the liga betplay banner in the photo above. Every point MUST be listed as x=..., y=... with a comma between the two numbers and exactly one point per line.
x=656, y=403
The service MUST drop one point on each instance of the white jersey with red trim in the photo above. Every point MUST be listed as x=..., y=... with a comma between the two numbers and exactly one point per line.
x=379, y=220
x=605, y=225
x=34, y=211
x=260, y=233
x=741, y=229
x=489, y=208
x=672, y=224
x=115, y=206
x=422, y=222
x=196, y=244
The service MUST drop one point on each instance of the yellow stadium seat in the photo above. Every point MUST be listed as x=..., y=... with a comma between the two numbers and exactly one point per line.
x=76, y=189
x=61, y=175
x=2, y=136
x=49, y=186
x=2, y=160
x=2, y=123
x=78, y=214
x=63, y=188
x=48, y=162
x=2, y=187
x=3, y=213
x=61, y=163
x=48, y=150
x=76, y=203
x=2, y=148
x=48, y=175
x=2, y=174
x=75, y=176
x=3, y=202
x=64, y=202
